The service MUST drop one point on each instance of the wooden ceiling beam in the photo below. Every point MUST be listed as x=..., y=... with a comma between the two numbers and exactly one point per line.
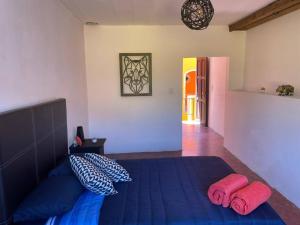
x=272, y=11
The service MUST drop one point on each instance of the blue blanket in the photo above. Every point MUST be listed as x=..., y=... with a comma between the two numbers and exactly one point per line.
x=85, y=211
x=174, y=192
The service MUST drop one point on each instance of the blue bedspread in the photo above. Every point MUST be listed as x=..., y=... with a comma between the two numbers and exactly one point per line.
x=174, y=192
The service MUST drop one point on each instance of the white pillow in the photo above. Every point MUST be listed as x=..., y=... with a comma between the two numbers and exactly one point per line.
x=91, y=177
x=112, y=169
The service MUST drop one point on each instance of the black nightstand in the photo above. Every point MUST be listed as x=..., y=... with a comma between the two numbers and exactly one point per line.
x=89, y=147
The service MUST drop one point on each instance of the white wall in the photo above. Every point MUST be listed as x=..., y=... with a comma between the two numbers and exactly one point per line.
x=218, y=85
x=134, y=124
x=264, y=132
x=42, y=57
x=273, y=52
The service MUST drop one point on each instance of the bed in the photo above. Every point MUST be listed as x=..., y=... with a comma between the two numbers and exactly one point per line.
x=170, y=191
x=174, y=191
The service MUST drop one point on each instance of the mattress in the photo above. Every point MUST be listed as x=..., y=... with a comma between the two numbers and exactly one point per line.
x=173, y=191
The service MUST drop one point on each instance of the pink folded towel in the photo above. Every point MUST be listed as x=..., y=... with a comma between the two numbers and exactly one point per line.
x=219, y=193
x=246, y=200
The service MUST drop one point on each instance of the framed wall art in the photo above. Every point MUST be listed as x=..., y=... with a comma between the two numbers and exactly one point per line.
x=136, y=74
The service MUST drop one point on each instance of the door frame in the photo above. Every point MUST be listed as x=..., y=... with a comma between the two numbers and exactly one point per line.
x=200, y=77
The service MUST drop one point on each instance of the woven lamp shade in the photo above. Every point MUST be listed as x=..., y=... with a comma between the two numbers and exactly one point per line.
x=197, y=14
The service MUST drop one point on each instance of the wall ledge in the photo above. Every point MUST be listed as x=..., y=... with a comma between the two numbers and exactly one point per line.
x=265, y=94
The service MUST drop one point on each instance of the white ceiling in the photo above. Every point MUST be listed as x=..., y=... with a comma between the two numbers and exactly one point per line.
x=155, y=12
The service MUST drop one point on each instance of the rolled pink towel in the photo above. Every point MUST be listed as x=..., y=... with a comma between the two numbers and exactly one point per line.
x=219, y=193
x=247, y=199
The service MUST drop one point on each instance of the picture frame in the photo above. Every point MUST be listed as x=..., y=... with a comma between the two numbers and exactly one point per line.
x=136, y=74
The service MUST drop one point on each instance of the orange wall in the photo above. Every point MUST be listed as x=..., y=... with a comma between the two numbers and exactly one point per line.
x=191, y=79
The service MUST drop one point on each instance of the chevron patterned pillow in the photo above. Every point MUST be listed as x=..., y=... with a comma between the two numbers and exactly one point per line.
x=91, y=177
x=112, y=169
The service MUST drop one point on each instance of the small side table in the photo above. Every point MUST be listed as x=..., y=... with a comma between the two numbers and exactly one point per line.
x=89, y=147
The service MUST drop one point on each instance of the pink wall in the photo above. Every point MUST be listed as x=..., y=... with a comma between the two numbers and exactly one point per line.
x=219, y=71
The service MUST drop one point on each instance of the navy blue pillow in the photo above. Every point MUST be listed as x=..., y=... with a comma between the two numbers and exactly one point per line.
x=63, y=169
x=54, y=196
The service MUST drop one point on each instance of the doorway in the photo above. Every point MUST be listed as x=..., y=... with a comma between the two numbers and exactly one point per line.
x=205, y=83
x=195, y=100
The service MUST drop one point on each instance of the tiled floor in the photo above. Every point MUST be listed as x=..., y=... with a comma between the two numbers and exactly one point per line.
x=200, y=141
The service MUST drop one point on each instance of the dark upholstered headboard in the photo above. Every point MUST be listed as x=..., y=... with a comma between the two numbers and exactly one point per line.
x=32, y=141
